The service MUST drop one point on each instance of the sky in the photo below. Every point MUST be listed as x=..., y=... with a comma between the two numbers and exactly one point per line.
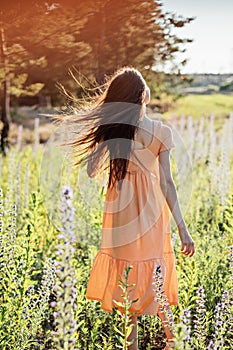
x=212, y=32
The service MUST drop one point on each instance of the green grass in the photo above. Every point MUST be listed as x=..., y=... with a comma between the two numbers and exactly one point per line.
x=40, y=276
x=202, y=105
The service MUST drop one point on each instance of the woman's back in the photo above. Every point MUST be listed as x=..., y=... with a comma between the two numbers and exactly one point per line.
x=136, y=226
x=133, y=210
x=144, y=134
x=152, y=138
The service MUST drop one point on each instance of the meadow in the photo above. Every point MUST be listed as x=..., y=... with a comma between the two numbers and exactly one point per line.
x=50, y=230
x=197, y=105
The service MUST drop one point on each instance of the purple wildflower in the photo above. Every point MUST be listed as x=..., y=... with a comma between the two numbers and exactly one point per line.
x=160, y=296
x=65, y=287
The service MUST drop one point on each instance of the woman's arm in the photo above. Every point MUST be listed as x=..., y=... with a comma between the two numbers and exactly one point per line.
x=169, y=191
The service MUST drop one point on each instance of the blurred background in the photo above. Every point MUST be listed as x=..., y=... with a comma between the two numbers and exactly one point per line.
x=183, y=49
x=53, y=52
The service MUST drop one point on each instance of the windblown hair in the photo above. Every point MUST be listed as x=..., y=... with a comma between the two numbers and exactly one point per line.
x=110, y=124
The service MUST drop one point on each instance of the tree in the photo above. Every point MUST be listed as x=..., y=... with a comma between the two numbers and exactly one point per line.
x=5, y=98
x=40, y=41
x=129, y=32
x=100, y=36
x=14, y=59
x=55, y=36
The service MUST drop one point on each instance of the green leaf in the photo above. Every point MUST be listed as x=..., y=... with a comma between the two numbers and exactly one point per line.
x=118, y=331
x=129, y=330
x=118, y=303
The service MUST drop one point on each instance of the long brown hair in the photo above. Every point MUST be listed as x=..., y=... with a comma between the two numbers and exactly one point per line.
x=111, y=121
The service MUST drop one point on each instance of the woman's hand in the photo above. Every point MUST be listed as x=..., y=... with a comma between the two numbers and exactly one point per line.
x=187, y=242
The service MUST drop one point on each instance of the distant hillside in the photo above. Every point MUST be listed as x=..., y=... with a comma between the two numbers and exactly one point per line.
x=209, y=84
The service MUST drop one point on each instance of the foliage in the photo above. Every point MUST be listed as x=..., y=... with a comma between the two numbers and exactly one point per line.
x=44, y=40
x=15, y=58
x=30, y=240
x=125, y=314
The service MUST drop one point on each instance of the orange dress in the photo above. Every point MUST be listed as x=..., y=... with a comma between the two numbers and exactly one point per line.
x=136, y=232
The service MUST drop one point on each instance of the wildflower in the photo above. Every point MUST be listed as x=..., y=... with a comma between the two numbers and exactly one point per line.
x=18, y=186
x=67, y=192
x=53, y=303
x=160, y=296
x=222, y=320
x=26, y=186
x=200, y=318
x=65, y=287
x=185, y=318
x=231, y=261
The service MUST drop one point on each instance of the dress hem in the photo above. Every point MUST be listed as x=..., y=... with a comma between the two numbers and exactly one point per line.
x=140, y=313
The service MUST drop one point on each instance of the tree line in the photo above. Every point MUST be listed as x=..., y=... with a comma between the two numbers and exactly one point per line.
x=40, y=42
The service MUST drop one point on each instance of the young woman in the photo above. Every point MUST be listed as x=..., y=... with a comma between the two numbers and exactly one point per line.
x=117, y=134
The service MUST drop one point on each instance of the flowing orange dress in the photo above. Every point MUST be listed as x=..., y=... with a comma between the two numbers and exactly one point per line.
x=136, y=232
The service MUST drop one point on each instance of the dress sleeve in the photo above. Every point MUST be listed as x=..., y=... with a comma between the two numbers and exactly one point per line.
x=166, y=139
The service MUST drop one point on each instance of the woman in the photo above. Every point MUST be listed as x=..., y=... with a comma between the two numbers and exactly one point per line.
x=136, y=222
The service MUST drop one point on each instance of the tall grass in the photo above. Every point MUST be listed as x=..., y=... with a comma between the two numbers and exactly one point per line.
x=44, y=266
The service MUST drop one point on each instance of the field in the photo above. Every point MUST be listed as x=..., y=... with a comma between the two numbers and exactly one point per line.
x=197, y=106
x=50, y=229
x=202, y=105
